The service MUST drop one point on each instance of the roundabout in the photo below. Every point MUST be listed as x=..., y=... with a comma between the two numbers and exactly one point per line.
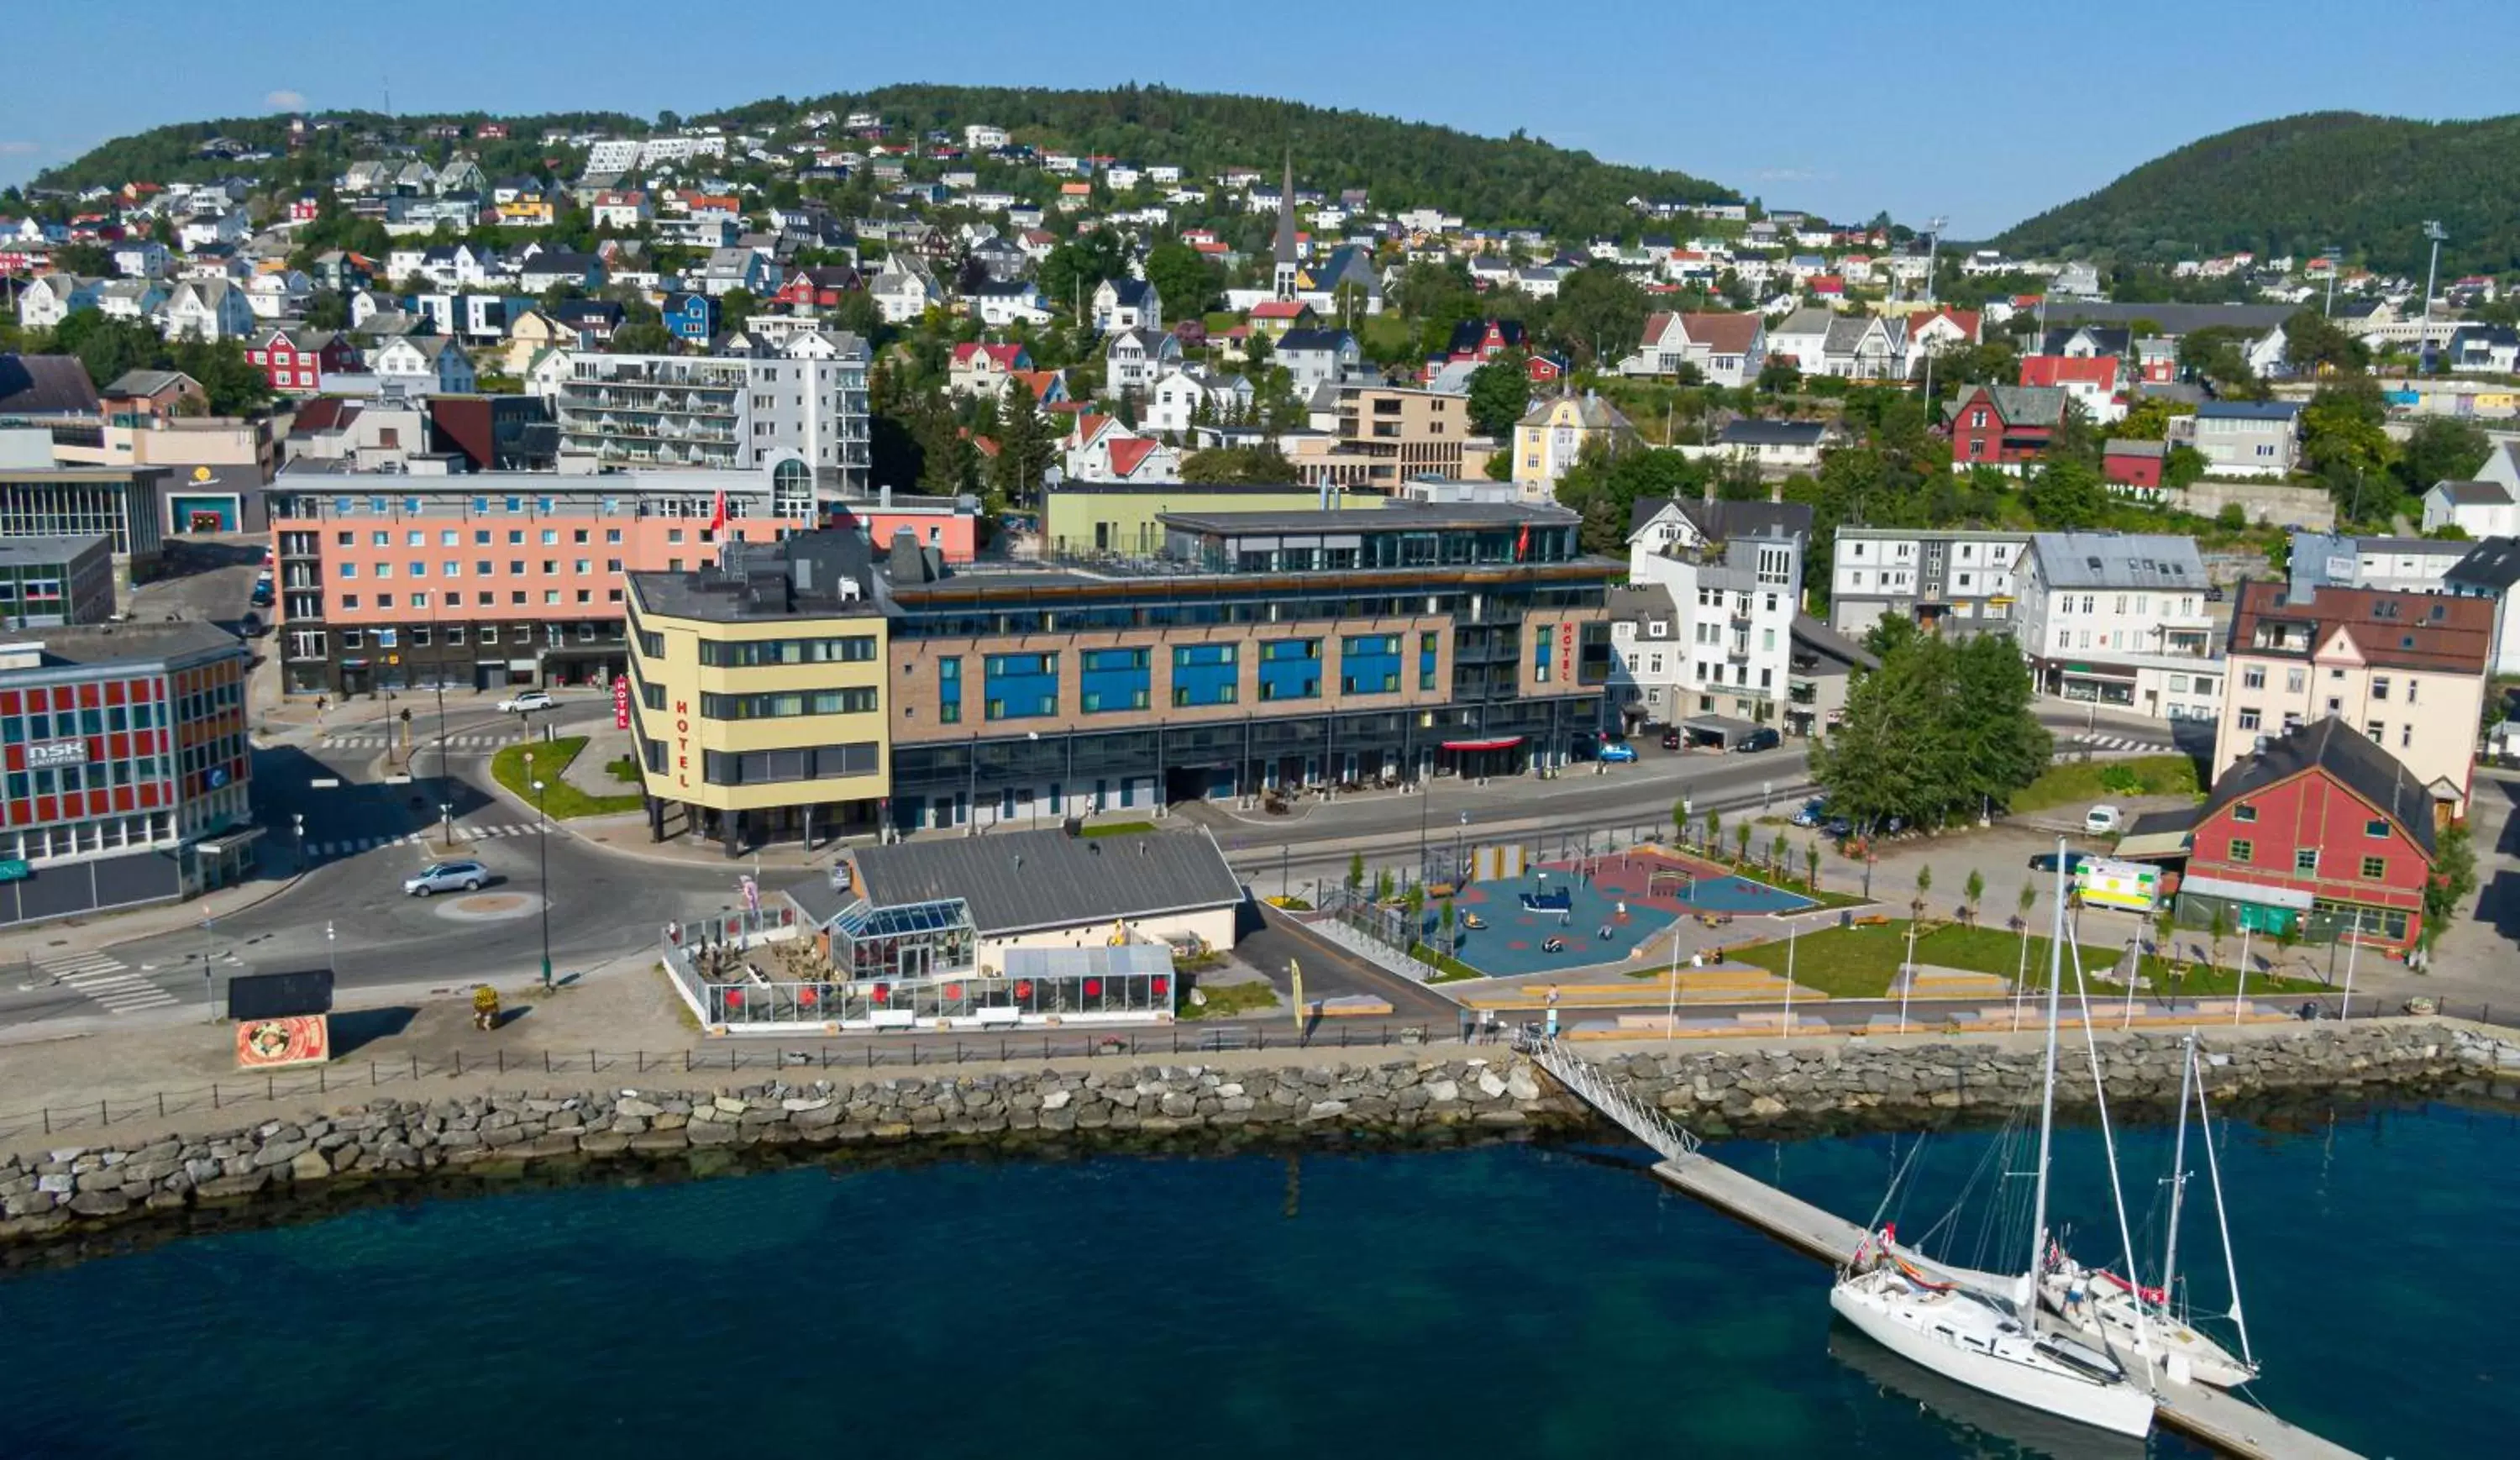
x=489, y=907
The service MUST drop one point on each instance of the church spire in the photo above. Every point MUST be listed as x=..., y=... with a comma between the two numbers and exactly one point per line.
x=1285, y=253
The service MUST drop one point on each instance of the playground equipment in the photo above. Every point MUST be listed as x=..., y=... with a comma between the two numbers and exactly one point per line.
x=1560, y=900
x=1682, y=885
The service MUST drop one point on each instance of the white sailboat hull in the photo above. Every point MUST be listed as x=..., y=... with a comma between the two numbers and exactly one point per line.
x=2105, y=1318
x=1910, y=1328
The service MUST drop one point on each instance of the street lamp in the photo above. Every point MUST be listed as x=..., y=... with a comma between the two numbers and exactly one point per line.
x=1456, y=848
x=542, y=855
x=446, y=818
x=2424, y=346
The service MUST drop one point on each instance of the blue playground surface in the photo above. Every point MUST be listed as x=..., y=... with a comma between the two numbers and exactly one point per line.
x=1713, y=889
x=1510, y=943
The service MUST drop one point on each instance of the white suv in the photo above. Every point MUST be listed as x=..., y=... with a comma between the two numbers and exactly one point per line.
x=2102, y=820
x=530, y=699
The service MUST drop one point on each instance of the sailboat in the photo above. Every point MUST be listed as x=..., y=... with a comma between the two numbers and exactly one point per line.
x=2102, y=1307
x=1990, y=1335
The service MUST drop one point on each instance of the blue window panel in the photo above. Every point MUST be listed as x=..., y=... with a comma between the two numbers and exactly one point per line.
x=1206, y=674
x=1020, y=686
x=949, y=690
x=1112, y=679
x=1291, y=669
x=1370, y=665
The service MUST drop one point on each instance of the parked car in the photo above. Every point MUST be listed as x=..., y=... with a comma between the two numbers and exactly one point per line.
x=2072, y=861
x=1839, y=827
x=525, y=702
x=1814, y=812
x=1671, y=739
x=261, y=597
x=446, y=877
x=2102, y=820
x=1763, y=739
x=1618, y=754
x=251, y=625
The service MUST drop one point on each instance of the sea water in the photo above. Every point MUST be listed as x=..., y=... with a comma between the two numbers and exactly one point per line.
x=1546, y=1300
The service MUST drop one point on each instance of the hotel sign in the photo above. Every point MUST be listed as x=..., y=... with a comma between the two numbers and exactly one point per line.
x=44, y=754
x=621, y=701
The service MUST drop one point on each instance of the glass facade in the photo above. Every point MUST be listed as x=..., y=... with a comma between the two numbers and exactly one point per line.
x=1114, y=679
x=1291, y=669
x=1021, y=686
x=1370, y=665
x=1206, y=674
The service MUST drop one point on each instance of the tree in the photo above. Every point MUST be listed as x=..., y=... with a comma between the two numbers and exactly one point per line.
x=1924, y=884
x=1741, y=843
x=644, y=338
x=2218, y=355
x=1183, y=278
x=1780, y=376
x=1777, y=852
x=325, y=310
x=1973, y=888
x=1679, y=820
x=1811, y=866
x=1243, y=466
x=2313, y=344
x=1354, y=870
x=1444, y=919
x=1714, y=827
x=90, y=259
x=2454, y=877
x=1597, y=314
x=2440, y=448
x=2067, y=495
x=1500, y=393
x=1025, y=447
x=1074, y=267
x=1382, y=886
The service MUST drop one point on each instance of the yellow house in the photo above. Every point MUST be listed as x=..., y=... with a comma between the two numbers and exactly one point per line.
x=526, y=212
x=533, y=332
x=757, y=694
x=1547, y=439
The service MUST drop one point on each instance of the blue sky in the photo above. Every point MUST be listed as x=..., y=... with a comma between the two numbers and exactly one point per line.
x=1984, y=110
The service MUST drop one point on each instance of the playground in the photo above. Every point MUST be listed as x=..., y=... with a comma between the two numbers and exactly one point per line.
x=1687, y=886
x=1502, y=935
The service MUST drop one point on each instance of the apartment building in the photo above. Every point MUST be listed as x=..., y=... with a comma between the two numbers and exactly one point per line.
x=2394, y=564
x=52, y=583
x=2404, y=670
x=1257, y=650
x=2119, y=620
x=395, y=582
x=1390, y=433
x=728, y=412
x=1734, y=572
x=1956, y=582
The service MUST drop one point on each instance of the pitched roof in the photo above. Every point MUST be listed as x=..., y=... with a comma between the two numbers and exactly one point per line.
x=2327, y=744
x=1129, y=293
x=2019, y=405
x=138, y=383
x=2493, y=563
x=2432, y=632
x=2120, y=446
x=2118, y=559
x=1724, y=334
x=2475, y=494
x=1592, y=412
x=2249, y=410
x=1129, y=453
x=1027, y=881
x=45, y=385
x=2060, y=370
x=1312, y=339
x=1746, y=431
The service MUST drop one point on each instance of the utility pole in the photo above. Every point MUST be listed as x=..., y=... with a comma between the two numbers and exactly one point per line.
x=2424, y=346
x=1933, y=245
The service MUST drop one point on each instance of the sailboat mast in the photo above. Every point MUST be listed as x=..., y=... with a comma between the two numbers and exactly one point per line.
x=2223, y=1221
x=2178, y=1179
x=2048, y=1087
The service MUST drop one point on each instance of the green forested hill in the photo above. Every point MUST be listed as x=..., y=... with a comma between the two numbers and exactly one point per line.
x=2300, y=184
x=1488, y=181
x=1517, y=180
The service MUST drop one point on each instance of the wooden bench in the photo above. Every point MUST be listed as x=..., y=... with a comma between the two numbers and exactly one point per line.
x=1871, y=920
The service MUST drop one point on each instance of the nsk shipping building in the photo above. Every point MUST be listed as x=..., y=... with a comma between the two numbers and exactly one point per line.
x=825, y=685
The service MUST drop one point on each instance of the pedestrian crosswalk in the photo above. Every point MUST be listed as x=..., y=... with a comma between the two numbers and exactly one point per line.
x=430, y=837
x=386, y=742
x=2122, y=743
x=107, y=979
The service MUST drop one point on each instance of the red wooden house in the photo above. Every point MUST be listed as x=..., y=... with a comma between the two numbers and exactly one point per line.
x=296, y=361
x=2321, y=832
x=818, y=288
x=2135, y=466
x=2003, y=426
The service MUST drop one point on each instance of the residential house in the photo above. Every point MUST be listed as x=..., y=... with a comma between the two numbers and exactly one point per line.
x=1733, y=571
x=2493, y=350
x=2479, y=509
x=595, y=321
x=156, y=394
x=1941, y=329
x=1002, y=303
x=422, y=366
x=1866, y=347
x=301, y=361
x=1777, y=447
x=279, y=293
x=1135, y=358
x=2120, y=620
x=1550, y=437
x=207, y=309
x=2405, y=668
x=2248, y=437
x=44, y=302
x=1127, y=305
x=1345, y=274
x=731, y=270
x=2317, y=833
x=1102, y=449
x=1954, y=581
x=341, y=271
x=46, y=386
x=1275, y=317
x=822, y=287
x=534, y=331
x=2490, y=570
x=1194, y=395
x=2132, y=468
x=1318, y=357
x=141, y=300
x=554, y=269
x=689, y=316
x=141, y=258
x=1802, y=337
x=1723, y=349
x=2090, y=382
x=904, y=288
x=2003, y=425
x=2399, y=565
x=980, y=368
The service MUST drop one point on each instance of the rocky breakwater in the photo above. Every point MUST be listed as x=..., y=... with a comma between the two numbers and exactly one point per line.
x=1716, y=1091
x=75, y=1191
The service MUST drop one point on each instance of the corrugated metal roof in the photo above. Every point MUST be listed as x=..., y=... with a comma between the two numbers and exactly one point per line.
x=1020, y=880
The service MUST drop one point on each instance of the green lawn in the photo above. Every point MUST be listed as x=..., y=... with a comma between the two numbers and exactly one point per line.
x=1449, y=970
x=560, y=798
x=1225, y=1001
x=1117, y=828
x=2085, y=783
x=1860, y=962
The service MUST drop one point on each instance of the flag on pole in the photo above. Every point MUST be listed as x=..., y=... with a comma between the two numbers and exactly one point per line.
x=1522, y=544
x=1295, y=972
x=717, y=519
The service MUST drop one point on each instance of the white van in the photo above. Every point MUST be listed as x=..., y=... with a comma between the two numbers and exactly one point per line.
x=2102, y=821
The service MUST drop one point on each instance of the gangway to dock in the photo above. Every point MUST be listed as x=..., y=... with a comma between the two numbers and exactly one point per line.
x=2221, y=1420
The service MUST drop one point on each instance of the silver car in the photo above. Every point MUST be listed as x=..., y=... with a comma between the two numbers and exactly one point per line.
x=447, y=877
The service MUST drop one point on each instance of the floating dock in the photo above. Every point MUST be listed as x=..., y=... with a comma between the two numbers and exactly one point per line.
x=2219, y=1419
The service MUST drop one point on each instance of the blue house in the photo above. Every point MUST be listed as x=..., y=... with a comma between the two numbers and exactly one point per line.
x=692, y=316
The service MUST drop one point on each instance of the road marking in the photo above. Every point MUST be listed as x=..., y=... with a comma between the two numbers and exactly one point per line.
x=106, y=979
x=452, y=742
